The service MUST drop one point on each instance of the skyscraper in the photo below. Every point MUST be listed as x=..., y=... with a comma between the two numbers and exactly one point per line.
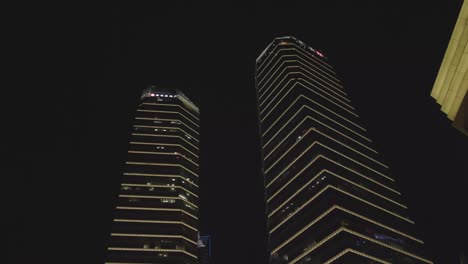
x=329, y=198
x=156, y=217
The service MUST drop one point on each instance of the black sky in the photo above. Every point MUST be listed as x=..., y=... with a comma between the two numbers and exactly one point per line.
x=70, y=119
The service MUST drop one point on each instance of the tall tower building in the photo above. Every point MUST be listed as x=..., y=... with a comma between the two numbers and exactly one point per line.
x=156, y=217
x=329, y=198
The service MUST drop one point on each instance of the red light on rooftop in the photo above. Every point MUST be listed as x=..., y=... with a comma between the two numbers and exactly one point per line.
x=319, y=53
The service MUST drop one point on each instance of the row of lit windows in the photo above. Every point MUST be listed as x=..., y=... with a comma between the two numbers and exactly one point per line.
x=185, y=110
x=149, y=185
x=161, y=120
x=167, y=136
x=154, y=235
x=168, y=112
x=162, y=175
x=155, y=250
x=169, y=129
x=164, y=199
x=161, y=146
x=155, y=222
x=164, y=153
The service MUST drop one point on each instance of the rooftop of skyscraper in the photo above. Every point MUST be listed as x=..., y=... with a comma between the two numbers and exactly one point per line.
x=284, y=40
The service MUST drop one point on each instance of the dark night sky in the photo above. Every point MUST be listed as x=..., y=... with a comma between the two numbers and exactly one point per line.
x=72, y=115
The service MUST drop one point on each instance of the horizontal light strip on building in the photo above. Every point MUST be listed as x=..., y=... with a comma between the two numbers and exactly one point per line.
x=306, y=150
x=156, y=197
x=338, y=176
x=362, y=175
x=262, y=101
x=357, y=162
x=340, y=99
x=262, y=66
x=300, y=70
x=168, y=128
x=169, y=136
x=166, y=119
x=344, y=167
x=262, y=89
x=152, y=250
x=308, y=54
x=344, y=192
x=154, y=235
x=160, y=164
x=162, y=153
x=313, y=110
x=349, y=147
x=162, y=144
x=156, y=209
x=188, y=112
x=299, y=58
x=300, y=80
x=386, y=245
x=372, y=204
x=154, y=222
x=159, y=175
x=311, y=100
x=304, y=60
x=346, y=211
x=350, y=250
x=299, y=50
x=378, y=224
x=343, y=229
x=158, y=186
x=325, y=92
x=167, y=112
x=295, y=193
x=303, y=120
x=323, y=134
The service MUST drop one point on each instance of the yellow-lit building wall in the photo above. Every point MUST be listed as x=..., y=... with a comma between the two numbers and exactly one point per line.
x=451, y=84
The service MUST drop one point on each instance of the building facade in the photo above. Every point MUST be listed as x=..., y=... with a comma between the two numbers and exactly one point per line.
x=329, y=199
x=156, y=217
x=451, y=84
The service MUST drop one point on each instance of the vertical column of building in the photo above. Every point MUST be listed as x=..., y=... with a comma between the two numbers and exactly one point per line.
x=329, y=198
x=156, y=218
